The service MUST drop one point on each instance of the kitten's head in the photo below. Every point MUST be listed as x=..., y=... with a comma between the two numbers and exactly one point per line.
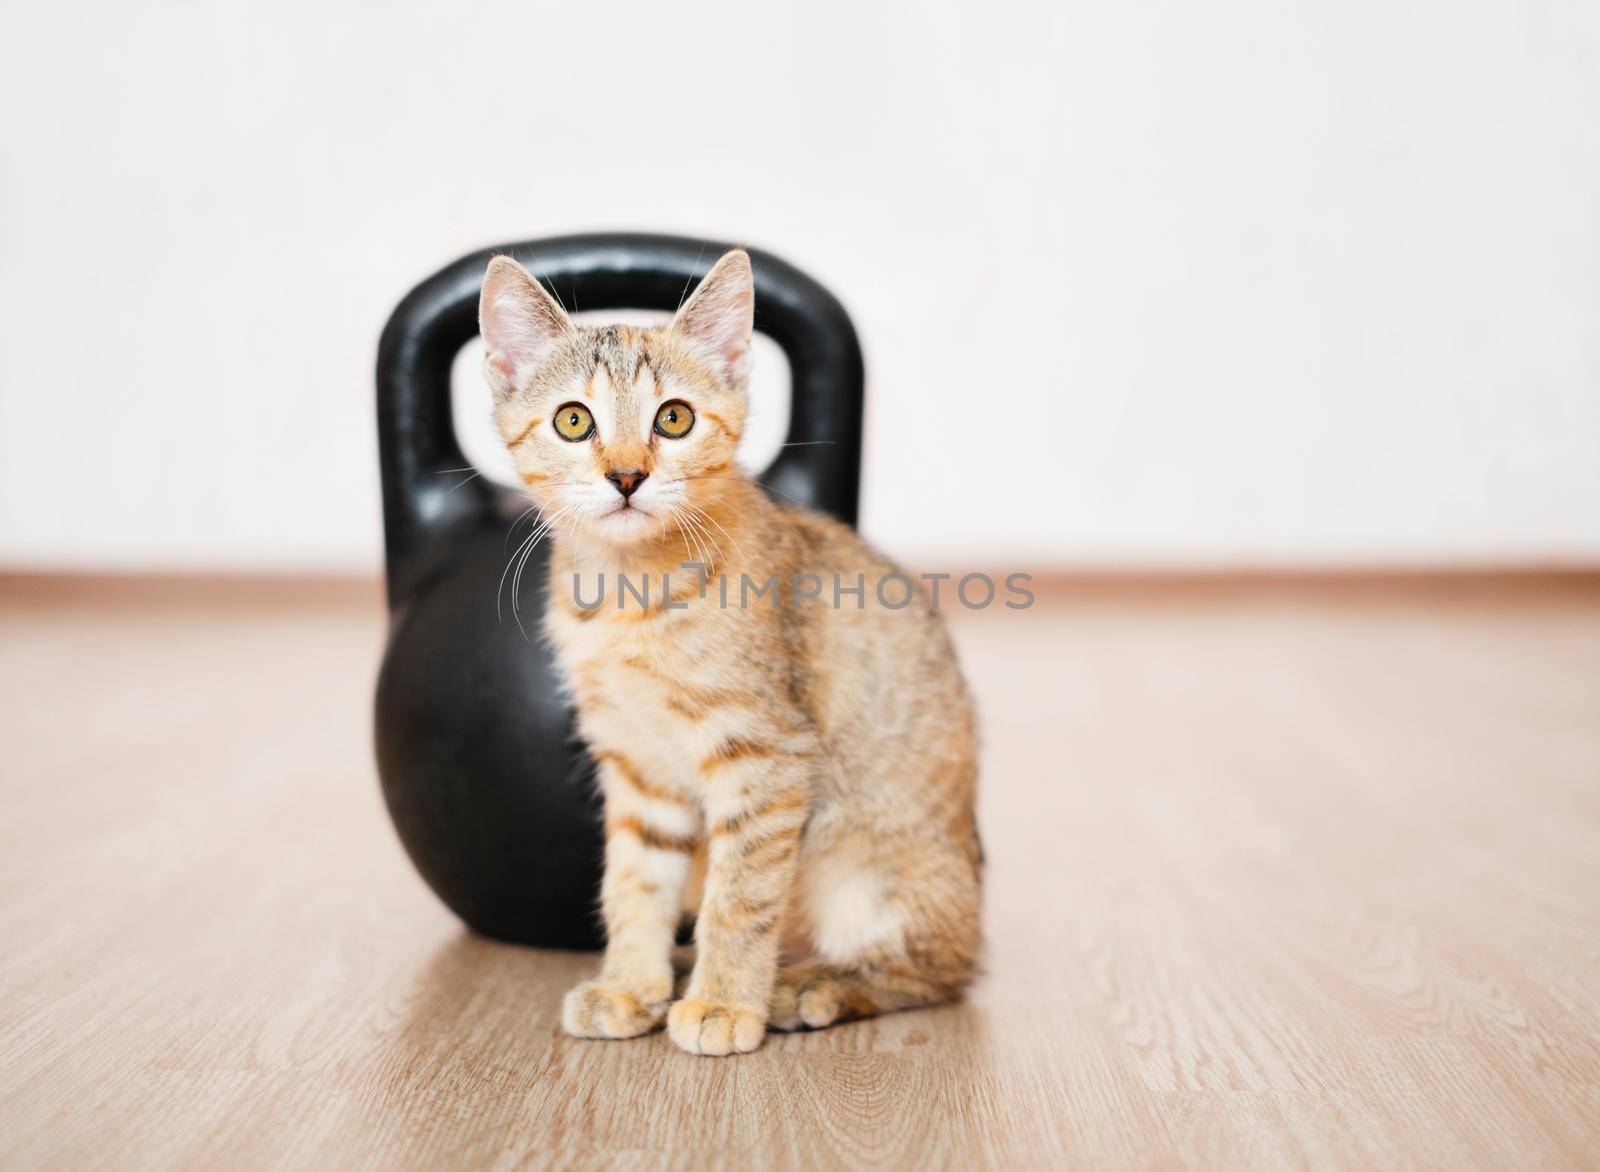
x=617, y=430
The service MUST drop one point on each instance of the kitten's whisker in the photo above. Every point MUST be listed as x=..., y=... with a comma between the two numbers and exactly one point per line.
x=698, y=257
x=700, y=529
x=691, y=546
x=499, y=614
x=520, y=558
x=535, y=507
x=683, y=534
x=550, y=287
x=692, y=515
x=707, y=539
x=516, y=580
x=708, y=517
x=516, y=587
x=526, y=547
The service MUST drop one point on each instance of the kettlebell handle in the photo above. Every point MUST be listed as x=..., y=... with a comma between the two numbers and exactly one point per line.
x=422, y=505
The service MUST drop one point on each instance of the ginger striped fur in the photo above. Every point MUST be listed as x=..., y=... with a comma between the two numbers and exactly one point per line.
x=798, y=778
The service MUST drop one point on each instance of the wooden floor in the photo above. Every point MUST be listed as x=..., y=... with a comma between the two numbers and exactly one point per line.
x=1280, y=876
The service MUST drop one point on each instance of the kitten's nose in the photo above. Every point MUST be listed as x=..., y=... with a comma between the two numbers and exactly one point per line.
x=627, y=482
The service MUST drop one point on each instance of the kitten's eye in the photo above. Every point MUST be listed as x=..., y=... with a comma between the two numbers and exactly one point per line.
x=674, y=419
x=573, y=422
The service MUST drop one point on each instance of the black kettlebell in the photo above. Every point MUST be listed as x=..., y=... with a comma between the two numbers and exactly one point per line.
x=487, y=783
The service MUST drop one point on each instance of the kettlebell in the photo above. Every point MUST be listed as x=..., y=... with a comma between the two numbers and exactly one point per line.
x=490, y=789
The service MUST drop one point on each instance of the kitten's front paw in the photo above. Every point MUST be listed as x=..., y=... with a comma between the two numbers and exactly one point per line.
x=597, y=1010
x=710, y=1027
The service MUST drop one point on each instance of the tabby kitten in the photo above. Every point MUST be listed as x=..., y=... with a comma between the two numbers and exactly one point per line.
x=800, y=768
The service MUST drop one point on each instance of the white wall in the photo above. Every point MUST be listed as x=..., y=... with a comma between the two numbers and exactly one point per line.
x=1246, y=282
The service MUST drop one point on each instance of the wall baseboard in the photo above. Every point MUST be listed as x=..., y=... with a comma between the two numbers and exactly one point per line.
x=242, y=589
x=88, y=589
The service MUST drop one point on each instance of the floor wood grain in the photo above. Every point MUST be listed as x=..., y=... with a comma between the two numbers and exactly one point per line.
x=1281, y=875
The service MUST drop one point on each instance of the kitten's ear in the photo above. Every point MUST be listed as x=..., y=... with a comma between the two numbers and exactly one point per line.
x=520, y=323
x=719, y=317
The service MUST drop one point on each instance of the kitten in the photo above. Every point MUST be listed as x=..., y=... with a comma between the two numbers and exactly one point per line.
x=810, y=765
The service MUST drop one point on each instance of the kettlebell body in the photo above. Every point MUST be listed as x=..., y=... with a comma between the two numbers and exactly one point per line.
x=485, y=779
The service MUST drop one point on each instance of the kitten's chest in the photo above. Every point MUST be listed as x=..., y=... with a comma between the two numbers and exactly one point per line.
x=634, y=681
